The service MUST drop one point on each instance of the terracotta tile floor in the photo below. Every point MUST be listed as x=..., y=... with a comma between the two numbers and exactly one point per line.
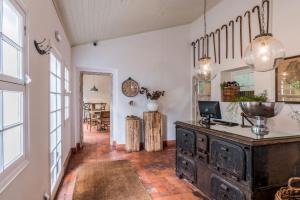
x=156, y=170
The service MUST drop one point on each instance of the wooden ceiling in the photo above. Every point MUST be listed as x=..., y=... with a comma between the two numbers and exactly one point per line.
x=95, y=20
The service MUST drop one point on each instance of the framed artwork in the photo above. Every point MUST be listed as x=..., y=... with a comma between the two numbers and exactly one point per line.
x=288, y=80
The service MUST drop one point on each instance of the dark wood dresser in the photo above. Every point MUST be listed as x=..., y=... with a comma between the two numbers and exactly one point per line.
x=230, y=163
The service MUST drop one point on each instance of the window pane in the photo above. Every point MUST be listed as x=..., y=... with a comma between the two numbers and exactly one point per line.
x=52, y=140
x=52, y=158
x=58, y=106
x=11, y=22
x=58, y=166
x=66, y=85
x=52, y=121
x=58, y=65
x=12, y=144
x=53, y=177
x=52, y=64
x=66, y=113
x=12, y=108
x=66, y=79
x=10, y=61
x=58, y=83
x=58, y=135
x=52, y=83
x=58, y=118
x=52, y=102
x=67, y=101
x=58, y=150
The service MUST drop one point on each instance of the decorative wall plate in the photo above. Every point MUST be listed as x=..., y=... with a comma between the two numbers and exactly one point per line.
x=130, y=87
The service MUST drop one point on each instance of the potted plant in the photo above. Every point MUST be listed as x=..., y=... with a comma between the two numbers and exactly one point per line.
x=152, y=98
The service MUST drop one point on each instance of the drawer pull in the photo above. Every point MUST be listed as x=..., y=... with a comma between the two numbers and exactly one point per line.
x=224, y=149
x=184, y=162
x=224, y=187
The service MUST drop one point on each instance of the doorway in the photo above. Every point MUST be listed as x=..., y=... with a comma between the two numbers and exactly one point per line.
x=96, y=109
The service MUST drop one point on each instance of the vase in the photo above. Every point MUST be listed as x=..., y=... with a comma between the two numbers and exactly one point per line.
x=152, y=105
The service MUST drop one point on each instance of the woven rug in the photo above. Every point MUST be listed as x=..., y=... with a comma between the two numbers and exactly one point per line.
x=111, y=180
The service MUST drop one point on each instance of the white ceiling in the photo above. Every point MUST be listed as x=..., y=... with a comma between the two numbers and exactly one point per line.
x=95, y=20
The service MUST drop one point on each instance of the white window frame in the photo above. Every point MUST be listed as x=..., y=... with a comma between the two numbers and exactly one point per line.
x=67, y=92
x=17, y=84
x=243, y=71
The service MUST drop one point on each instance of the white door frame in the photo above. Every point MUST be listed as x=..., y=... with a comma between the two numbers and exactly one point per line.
x=114, y=107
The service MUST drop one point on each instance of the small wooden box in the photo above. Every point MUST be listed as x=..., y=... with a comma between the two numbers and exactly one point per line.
x=133, y=133
x=230, y=93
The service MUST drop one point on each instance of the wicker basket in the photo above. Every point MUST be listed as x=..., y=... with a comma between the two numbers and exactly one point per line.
x=290, y=192
x=230, y=93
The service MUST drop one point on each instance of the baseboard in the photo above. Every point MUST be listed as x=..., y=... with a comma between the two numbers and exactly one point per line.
x=76, y=149
x=120, y=147
x=169, y=143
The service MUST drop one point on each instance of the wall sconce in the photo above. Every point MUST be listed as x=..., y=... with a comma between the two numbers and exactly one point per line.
x=43, y=47
x=58, y=37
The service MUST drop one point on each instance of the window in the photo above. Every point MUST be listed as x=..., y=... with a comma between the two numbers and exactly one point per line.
x=55, y=119
x=67, y=93
x=245, y=78
x=12, y=91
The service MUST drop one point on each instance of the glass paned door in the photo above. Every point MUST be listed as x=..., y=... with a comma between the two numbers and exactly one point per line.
x=55, y=119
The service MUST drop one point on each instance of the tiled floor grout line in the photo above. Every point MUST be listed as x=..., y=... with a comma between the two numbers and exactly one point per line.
x=156, y=170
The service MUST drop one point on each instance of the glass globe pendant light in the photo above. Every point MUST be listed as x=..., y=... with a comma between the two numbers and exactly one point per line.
x=204, y=63
x=265, y=52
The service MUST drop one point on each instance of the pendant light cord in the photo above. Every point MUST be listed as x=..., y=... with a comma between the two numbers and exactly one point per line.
x=205, y=26
x=204, y=17
x=263, y=17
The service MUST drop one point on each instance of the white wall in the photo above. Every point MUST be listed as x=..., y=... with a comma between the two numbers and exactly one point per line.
x=157, y=60
x=283, y=27
x=35, y=179
x=104, y=85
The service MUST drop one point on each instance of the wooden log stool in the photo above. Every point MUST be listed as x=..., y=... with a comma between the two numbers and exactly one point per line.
x=153, y=131
x=133, y=133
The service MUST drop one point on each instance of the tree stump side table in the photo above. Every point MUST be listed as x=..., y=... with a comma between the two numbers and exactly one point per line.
x=133, y=133
x=153, y=131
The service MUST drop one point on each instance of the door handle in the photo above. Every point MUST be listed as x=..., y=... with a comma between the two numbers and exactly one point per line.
x=224, y=187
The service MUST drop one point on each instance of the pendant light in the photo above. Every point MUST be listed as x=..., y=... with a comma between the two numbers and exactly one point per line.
x=94, y=89
x=265, y=52
x=204, y=64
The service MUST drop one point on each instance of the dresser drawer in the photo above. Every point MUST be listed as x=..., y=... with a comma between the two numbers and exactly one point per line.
x=223, y=190
x=186, y=168
x=202, y=142
x=228, y=158
x=186, y=140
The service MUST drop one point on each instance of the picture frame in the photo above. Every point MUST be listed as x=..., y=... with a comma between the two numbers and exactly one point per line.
x=287, y=80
